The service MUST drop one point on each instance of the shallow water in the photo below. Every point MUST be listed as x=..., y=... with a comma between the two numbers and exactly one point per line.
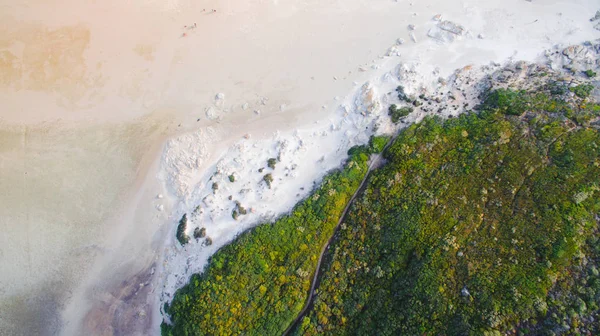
x=58, y=184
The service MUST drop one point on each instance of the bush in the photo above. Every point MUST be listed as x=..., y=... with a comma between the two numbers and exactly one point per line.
x=398, y=113
x=582, y=90
x=271, y=163
x=215, y=186
x=182, y=237
x=268, y=179
x=231, y=178
x=199, y=233
x=507, y=101
x=377, y=143
x=589, y=73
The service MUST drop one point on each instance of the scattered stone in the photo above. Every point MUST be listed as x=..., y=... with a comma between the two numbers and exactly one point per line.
x=447, y=31
x=437, y=17
x=411, y=27
x=413, y=37
x=245, y=106
x=481, y=36
x=159, y=196
x=220, y=96
x=465, y=292
x=400, y=41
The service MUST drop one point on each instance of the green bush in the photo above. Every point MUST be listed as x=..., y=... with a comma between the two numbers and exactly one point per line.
x=231, y=178
x=181, y=236
x=582, y=90
x=268, y=180
x=507, y=101
x=590, y=73
x=398, y=113
x=199, y=233
x=271, y=163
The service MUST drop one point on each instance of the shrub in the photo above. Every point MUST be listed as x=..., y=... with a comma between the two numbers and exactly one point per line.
x=215, y=186
x=268, y=179
x=590, y=73
x=182, y=237
x=507, y=101
x=231, y=178
x=199, y=233
x=398, y=113
x=377, y=143
x=402, y=95
x=208, y=241
x=271, y=163
x=582, y=90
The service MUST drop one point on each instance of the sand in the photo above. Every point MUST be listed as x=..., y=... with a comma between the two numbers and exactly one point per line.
x=91, y=93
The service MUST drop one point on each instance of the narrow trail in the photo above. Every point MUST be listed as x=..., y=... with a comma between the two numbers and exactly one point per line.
x=375, y=162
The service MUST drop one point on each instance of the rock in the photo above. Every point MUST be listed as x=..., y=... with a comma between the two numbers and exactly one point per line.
x=596, y=17
x=159, y=196
x=446, y=32
x=211, y=113
x=220, y=96
x=481, y=36
x=393, y=51
x=465, y=292
x=411, y=27
x=245, y=106
x=257, y=112
x=437, y=17
x=366, y=101
x=574, y=51
x=400, y=41
x=413, y=37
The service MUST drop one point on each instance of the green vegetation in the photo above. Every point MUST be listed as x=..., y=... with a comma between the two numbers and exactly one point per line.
x=507, y=101
x=199, y=233
x=268, y=180
x=377, y=143
x=231, y=178
x=271, y=163
x=484, y=224
x=398, y=113
x=479, y=225
x=238, y=210
x=589, y=73
x=582, y=90
x=182, y=237
x=258, y=284
x=402, y=95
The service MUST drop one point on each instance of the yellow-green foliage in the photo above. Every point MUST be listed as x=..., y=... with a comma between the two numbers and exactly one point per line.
x=468, y=225
x=258, y=284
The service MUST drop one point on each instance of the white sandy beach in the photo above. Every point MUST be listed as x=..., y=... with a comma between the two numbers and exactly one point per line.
x=107, y=105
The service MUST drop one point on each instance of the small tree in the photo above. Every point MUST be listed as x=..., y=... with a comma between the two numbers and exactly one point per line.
x=271, y=163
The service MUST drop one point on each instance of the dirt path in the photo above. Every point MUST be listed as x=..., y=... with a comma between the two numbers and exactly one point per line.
x=375, y=163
